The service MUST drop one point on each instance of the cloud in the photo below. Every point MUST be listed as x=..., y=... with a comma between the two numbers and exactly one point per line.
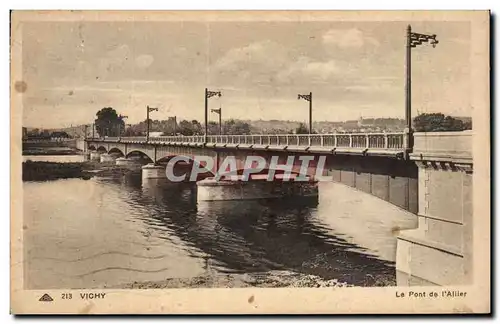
x=266, y=53
x=268, y=62
x=115, y=58
x=347, y=38
x=258, y=62
x=310, y=69
x=121, y=62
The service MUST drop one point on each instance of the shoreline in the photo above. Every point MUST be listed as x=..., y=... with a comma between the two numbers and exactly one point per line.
x=47, y=171
x=50, y=150
x=269, y=279
x=55, y=153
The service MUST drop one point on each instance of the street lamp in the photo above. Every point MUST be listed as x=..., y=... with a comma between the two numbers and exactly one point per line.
x=219, y=112
x=208, y=94
x=309, y=98
x=412, y=40
x=148, y=110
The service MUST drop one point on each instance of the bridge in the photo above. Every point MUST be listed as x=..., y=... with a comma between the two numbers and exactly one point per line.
x=432, y=179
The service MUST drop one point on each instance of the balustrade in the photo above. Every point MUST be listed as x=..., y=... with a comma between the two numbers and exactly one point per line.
x=387, y=141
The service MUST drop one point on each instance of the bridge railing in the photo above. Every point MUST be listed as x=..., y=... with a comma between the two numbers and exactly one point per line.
x=383, y=141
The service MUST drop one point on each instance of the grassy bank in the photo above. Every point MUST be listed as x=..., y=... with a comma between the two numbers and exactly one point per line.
x=49, y=148
x=44, y=171
x=40, y=171
x=63, y=151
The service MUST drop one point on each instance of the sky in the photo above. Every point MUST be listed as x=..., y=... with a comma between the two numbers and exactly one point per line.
x=354, y=69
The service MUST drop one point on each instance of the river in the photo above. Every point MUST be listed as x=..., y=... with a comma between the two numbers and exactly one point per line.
x=54, y=158
x=107, y=232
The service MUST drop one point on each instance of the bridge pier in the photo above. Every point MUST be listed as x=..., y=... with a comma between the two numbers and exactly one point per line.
x=95, y=156
x=152, y=171
x=126, y=162
x=439, y=251
x=105, y=157
x=212, y=190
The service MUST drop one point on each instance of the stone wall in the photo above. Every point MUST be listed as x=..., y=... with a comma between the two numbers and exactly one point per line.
x=439, y=251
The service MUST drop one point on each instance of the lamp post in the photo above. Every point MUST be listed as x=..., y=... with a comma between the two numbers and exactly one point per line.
x=219, y=112
x=309, y=98
x=93, y=126
x=412, y=40
x=208, y=94
x=148, y=110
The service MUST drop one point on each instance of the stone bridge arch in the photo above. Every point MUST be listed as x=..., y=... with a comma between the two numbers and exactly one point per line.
x=393, y=180
x=141, y=153
x=102, y=149
x=116, y=151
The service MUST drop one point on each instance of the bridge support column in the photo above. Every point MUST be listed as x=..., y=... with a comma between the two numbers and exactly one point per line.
x=105, y=157
x=438, y=252
x=95, y=156
x=126, y=162
x=152, y=171
x=212, y=190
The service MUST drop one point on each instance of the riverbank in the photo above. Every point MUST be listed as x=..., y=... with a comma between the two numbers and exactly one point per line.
x=49, y=149
x=269, y=279
x=45, y=171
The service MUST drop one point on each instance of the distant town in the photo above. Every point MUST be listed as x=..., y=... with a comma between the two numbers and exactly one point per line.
x=171, y=126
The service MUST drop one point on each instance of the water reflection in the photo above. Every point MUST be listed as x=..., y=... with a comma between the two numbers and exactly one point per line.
x=258, y=235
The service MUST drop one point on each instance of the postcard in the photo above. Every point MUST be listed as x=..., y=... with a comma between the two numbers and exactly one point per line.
x=250, y=162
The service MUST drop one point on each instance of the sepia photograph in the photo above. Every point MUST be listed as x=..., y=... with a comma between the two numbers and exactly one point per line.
x=160, y=158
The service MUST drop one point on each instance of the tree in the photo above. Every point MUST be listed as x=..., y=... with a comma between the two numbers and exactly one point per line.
x=169, y=127
x=185, y=128
x=59, y=134
x=437, y=122
x=35, y=132
x=236, y=127
x=197, y=129
x=45, y=134
x=468, y=125
x=108, y=123
x=213, y=128
x=189, y=128
x=302, y=129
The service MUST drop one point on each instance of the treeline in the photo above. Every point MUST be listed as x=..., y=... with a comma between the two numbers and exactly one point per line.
x=188, y=128
x=110, y=123
x=437, y=122
x=43, y=134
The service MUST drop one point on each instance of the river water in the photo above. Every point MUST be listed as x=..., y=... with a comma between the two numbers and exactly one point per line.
x=54, y=158
x=106, y=232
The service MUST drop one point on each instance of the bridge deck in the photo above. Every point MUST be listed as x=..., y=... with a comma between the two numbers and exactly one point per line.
x=354, y=143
